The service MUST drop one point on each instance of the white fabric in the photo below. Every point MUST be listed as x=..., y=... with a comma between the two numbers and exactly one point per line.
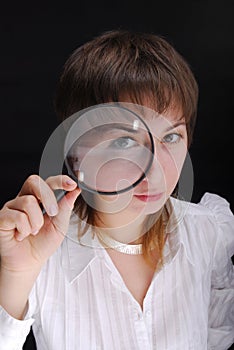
x=81, y=302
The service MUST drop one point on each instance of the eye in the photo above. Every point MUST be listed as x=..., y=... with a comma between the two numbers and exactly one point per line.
x=172, y=138
x=123, y=143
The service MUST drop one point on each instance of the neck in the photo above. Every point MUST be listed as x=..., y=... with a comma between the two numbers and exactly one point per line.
x=130, y=232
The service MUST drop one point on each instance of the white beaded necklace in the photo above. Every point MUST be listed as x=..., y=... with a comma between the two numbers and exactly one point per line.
x=132, y=249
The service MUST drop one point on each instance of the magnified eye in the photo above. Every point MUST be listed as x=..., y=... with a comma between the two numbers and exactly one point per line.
x=123, y=143
x=172, y=138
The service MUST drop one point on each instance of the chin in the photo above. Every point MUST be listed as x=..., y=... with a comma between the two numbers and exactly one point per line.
x=146, y=208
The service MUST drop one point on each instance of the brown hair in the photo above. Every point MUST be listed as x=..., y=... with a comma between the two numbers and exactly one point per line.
x=119, y=63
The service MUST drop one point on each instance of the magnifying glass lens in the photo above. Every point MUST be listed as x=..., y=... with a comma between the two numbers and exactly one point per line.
x=109, y=150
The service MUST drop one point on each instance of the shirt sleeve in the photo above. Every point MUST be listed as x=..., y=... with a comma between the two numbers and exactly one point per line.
x=221, y=308
x=13, y=332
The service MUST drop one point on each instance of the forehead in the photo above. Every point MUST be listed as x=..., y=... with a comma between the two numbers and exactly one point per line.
x=169, y=118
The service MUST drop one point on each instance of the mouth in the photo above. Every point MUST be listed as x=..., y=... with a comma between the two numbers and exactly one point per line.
x=149, y=197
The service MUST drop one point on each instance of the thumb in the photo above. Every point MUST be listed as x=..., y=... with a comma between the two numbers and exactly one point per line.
x=66, y=205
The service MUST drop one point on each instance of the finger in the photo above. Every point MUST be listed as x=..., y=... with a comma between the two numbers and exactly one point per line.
x=36, y=186
x=15, y=220
x=30, y=206
x=66, y=204
x=61, y=182
x=7, y=220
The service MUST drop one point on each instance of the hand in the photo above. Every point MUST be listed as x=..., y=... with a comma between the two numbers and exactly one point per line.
x=27, y=237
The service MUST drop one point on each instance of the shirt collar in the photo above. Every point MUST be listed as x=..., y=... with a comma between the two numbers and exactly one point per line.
x=179, y=234
x=77, y=257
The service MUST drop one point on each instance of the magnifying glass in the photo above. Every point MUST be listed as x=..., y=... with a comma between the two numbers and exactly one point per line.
x=108, y=149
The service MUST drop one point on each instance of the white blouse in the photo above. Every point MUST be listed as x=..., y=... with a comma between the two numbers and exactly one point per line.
x=80, y=301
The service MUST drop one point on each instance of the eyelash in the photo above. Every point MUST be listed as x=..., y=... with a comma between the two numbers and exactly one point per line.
x=180, y=136
x=123, y=138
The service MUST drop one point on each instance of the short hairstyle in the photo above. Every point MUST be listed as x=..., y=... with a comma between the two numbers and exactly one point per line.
x=123, y=62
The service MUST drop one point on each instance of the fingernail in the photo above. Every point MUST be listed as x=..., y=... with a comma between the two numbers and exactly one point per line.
x=53, y=210
x=35, y=232
x=20, y=237
x=70, y=182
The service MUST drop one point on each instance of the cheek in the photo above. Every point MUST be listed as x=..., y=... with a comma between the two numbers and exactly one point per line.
x=172, y=163
x=113, y=204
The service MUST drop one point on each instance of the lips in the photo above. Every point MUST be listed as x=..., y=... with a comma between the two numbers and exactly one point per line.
x=148, y=197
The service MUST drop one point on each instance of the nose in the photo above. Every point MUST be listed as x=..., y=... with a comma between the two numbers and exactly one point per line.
x=155, y=176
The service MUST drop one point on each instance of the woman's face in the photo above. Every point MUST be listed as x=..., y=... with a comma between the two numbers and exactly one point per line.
x=170, y=142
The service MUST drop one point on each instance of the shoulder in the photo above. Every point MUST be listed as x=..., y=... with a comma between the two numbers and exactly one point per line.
x=210, y=222
x=211, y=206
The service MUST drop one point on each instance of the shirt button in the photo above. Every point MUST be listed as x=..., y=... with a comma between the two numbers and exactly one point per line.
x=148, y=313
x=137, y=316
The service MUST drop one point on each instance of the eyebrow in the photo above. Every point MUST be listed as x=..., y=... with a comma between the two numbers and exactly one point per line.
x=174, y=126
x=116, y=126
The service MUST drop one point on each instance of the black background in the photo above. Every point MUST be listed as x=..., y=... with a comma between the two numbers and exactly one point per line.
x=36, y=40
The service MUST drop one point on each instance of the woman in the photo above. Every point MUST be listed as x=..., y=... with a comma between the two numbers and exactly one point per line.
x=170, y=284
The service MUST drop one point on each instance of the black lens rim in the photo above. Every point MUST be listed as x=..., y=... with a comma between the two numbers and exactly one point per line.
x=84, y=187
